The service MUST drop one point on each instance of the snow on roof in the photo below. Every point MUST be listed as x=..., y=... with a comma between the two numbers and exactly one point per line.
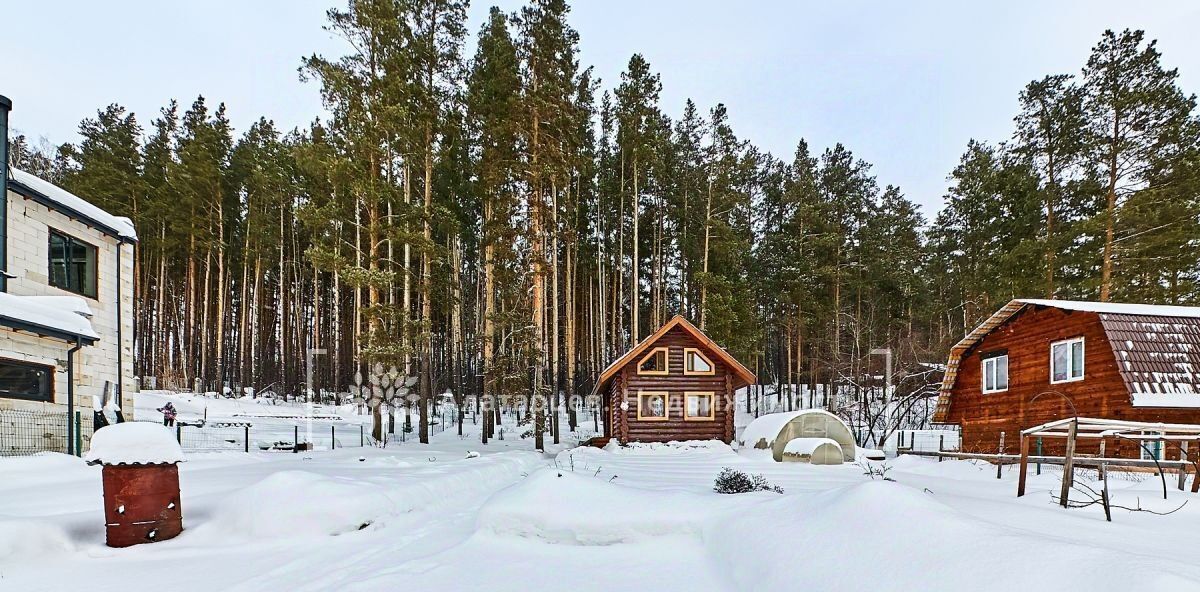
x=119, y=225
x=807, y=446
x=74, y=304
x=134, y=443
x=1157, y=310
x=60, y=314
x=767, y=427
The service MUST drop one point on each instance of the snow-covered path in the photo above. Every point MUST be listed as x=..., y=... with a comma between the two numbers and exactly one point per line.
x=254, y=522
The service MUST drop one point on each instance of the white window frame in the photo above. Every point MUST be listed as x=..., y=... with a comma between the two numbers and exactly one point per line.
x=1082, y=360
x=1156, y=447
x=984, y=375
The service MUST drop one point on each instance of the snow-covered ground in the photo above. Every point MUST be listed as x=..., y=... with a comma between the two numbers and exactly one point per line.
x=434, y=517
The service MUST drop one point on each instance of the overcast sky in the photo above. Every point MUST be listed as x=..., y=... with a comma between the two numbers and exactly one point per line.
x=902, y=84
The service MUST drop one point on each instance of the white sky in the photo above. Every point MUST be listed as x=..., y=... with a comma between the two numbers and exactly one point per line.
x=902, y=84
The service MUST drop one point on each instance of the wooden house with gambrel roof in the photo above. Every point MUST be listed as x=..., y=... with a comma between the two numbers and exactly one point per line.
x=1035, y=361
x=676, y=384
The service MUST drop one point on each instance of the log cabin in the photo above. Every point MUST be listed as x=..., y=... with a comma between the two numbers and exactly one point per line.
x=1035, y=361
x=676, y=384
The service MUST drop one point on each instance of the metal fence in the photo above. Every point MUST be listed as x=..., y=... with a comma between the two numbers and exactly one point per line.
x=237, y=436
x=925, y=440
x=30, y=432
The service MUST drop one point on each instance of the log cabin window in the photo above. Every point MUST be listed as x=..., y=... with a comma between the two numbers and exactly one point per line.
x=995, y=373
x=655, y=363
x=699, y=406
x=1066, y=360
x=696, y=363
x=72, y=264
x=653, y=406
x=22, y=380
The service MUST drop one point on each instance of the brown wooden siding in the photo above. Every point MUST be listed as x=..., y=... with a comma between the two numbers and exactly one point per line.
x=1027, y=337
x=628, y=428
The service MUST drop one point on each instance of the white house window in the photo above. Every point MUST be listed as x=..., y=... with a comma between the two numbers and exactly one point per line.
x=1066, y=360
x=72, y=264
x=995, y=374
x=1151, y=449
x=22, y=380
x=695, y=363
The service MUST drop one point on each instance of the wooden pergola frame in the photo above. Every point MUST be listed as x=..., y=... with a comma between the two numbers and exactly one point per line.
x=1074, y=428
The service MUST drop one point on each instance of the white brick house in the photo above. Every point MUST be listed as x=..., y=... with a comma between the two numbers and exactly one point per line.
x=67, y=281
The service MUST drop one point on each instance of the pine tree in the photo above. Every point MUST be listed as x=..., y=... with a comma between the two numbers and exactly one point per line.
x=1136, y=115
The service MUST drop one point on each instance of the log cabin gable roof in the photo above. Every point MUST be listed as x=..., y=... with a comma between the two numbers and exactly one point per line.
x=1157, y=349
x=742, y=375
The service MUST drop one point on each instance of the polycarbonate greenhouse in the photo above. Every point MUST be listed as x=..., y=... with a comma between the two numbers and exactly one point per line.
x=774, y=431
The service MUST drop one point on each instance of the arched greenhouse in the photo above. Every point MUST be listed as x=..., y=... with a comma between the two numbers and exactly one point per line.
x=774, y=431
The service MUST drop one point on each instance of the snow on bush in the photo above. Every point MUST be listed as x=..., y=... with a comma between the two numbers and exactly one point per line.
x=734, y=481
x=577, y=509
x=134, y=442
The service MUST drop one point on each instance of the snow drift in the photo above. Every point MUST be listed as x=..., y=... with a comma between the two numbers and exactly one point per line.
x=303, y=503
x=577, y=509
x=298, y=503
x=817, y=542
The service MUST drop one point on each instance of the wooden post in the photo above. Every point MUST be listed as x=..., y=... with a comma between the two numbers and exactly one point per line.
x=1068, y=465
x=1102, y=472
x=999, y=461
x=1182, y=467
x=1104, y=493
x=1024, y=465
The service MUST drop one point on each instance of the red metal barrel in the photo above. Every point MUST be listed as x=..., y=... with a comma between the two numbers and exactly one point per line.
x=141, y=503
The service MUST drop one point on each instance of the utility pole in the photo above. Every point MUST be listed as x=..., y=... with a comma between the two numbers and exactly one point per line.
x=308, y=388
x=886, y=352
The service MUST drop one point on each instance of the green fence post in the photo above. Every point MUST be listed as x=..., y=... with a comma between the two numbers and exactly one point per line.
x=78, y=436
x=1039, y=452
x=362, y=437
x=179, y=434
x=247, y=438
x=332, y=437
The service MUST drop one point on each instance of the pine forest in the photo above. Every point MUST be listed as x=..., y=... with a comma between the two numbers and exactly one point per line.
x=482, y=217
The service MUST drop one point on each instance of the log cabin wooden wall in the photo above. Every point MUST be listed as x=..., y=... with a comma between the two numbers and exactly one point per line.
x=627, y=384
x=1027, y=337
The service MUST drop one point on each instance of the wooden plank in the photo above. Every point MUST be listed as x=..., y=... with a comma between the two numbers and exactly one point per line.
x=1080, y=461
x=1068, y=467
x=1183, y=459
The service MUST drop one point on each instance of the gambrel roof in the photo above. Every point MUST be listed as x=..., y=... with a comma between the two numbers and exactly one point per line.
x=1157, y=349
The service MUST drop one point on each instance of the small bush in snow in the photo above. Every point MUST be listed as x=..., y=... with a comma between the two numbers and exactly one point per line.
x=875, y=471
x=733, y=481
